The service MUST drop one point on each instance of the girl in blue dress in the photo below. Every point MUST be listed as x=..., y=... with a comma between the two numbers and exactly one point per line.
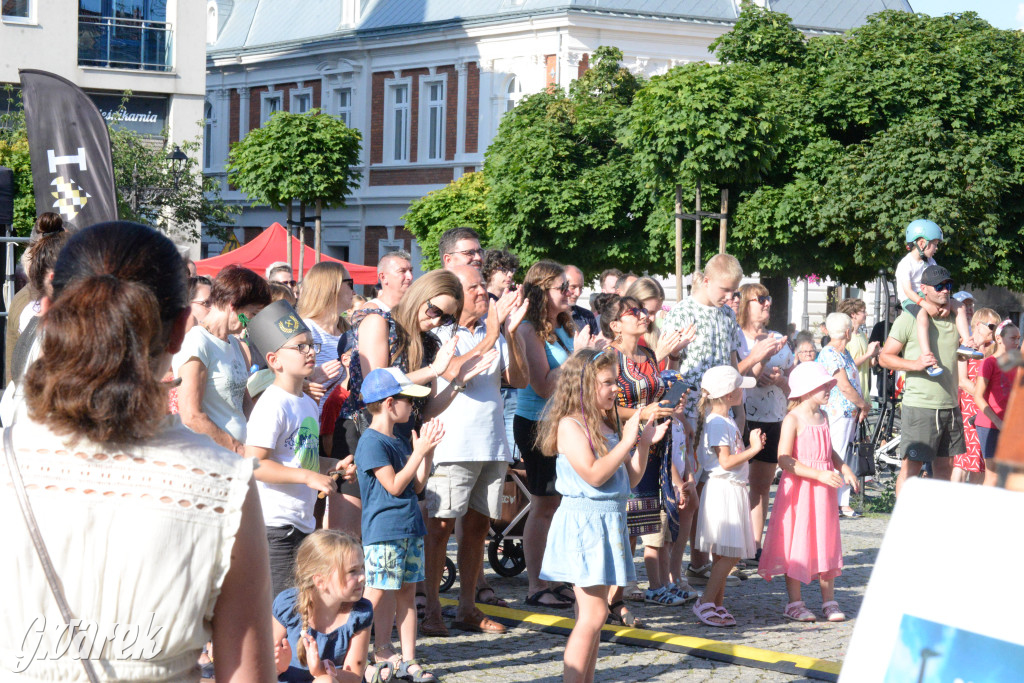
x=322, y=624
x=587, y=544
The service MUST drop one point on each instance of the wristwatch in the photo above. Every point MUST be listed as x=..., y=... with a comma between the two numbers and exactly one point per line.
x=458, y=388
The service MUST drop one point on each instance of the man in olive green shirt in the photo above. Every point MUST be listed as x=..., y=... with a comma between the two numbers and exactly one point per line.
x=932, y=429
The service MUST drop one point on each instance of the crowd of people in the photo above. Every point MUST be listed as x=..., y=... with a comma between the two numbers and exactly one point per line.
x=273, y=467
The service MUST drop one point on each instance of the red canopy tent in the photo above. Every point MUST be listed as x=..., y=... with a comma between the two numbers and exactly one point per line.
x=270, y=246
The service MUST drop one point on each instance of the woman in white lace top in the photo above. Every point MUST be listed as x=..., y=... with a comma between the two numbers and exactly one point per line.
x=154, y=532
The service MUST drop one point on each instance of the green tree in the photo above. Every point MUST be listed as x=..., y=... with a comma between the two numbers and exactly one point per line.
x=14, y=155
x=461, y=203
x=309, y=158
x=562, y=186
x=761, y=37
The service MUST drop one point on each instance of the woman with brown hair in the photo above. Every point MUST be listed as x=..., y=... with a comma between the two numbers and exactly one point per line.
x=765, y=404
x=399, y=338
x=211, y=363
x=147, y=524
x=549, y=338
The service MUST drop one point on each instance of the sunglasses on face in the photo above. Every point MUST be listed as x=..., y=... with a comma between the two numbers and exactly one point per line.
x=435, y=312
x=563, y=288
x=290, y=283
x=944, y=287
x=637, y=313
x=350, y=282
x=304, y=348
x=992, y=326
x=762, y=299
x=470, y=252
x=736, y=295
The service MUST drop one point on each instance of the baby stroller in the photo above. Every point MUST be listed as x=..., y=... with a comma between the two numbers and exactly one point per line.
x=505, y=537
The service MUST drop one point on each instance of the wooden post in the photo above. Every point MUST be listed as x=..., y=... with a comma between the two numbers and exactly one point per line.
x=696, y=241
x=316, y=233
x=288, y=241
x=679, y=243
x=723, y=221
x=302, y=239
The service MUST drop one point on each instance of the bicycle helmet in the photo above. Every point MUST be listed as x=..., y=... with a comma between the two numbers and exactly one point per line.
x=923, y=228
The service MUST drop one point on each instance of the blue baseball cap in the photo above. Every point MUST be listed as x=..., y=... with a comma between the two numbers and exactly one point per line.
x=385, y=382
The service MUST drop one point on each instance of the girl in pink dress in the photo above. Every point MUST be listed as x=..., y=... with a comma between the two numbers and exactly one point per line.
x=803, y=532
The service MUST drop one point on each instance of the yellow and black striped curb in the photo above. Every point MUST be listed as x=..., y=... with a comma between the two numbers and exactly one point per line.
x=719, y=651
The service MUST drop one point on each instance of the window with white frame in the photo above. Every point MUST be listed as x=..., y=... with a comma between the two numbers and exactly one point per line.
x=513, y=93
x=270, y=102
x=396, y=134
x=17, y=10
x=208, y=136
x=343, y=105
x=433, y=118
x=301, y=101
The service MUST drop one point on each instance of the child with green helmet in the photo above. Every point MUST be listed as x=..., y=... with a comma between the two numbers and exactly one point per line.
x=923, y=238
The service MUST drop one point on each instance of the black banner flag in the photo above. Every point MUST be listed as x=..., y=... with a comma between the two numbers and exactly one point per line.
x=69, y=145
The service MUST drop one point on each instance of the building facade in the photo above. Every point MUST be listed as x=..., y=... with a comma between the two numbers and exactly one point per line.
x=426, y=82
x=154, y=48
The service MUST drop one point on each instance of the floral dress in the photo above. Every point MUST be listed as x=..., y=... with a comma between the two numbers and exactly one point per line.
x=971, y=461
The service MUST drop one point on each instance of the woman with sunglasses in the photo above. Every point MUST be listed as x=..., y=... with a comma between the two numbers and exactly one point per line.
x=765, y=404
x=992, y=392
x=326, y=294
x=970, y=466
x=399, y=338
x=549, y=338
x=212, y=398
x=640, y=387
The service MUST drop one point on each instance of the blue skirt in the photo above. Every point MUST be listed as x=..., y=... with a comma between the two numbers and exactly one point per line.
x=588, y=544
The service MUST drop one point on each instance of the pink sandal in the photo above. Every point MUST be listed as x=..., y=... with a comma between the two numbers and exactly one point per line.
x=797, y=611
x=730, y=620
x=832, y=612
x=707, y=612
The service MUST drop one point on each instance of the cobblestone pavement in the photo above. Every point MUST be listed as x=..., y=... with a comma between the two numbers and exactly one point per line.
x=528, y=655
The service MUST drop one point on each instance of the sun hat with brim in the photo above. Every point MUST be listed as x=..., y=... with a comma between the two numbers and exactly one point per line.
x=383, y=383
x=724, y=379
x=807, y=377
x=963, y=295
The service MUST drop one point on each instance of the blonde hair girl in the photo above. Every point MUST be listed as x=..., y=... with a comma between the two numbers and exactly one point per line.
x=587, y=544
x=326, y=293
x=322, y=624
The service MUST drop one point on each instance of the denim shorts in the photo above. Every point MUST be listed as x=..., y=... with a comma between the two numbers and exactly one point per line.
x=390, y=564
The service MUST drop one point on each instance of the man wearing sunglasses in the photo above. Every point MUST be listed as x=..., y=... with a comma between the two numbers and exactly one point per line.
x=461, y=247
x=470, y=462
x=281, y=273
x=932, y=429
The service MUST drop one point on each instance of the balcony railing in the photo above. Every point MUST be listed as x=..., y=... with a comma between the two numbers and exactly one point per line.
x=119, y=43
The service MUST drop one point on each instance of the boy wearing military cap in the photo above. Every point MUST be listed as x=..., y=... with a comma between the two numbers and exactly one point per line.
x=284, y=435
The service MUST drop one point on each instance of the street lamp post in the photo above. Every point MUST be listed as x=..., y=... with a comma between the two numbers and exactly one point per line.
x=141, y=195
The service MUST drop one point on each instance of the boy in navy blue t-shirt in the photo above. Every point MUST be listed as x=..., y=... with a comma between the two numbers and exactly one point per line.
x=392, y=525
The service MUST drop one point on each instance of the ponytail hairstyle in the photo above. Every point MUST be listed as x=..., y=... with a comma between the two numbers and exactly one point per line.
x=575, y=394
x=42, y=256
x=703, y=406
x=320, y=554
x=47, y=223
x=118, y=289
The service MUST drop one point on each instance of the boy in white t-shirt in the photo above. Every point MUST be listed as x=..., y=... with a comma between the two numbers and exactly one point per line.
x=283, y=434
x=923, y=238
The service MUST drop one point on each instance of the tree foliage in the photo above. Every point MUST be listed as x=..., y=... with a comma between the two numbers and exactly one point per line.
x=14, y=155
x=761, y=37
x=462, y=203
x=300, y=157
x=562, y=184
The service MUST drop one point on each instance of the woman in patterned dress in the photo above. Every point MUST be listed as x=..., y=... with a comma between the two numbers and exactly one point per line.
x=970, y=466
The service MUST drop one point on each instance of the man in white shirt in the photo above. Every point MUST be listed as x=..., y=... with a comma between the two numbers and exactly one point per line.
x=470, y=462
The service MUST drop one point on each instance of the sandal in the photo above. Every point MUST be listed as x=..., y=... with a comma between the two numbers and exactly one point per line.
x=730, y=620
x=662, y=596
x=685, y=593
x=632, y=592
x=832, y=612
x=565, y=592
x=393, y=660
x=418, y=676
x=797, y=611
x=535, y=600
x=623, y=617
x=494, y=600
x=375, y=673
x=708, y=614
